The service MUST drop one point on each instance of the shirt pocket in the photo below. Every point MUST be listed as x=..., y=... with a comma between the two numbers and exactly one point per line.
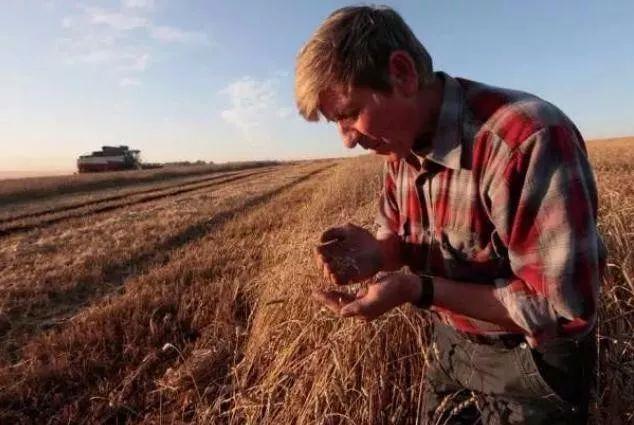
x=471, y=256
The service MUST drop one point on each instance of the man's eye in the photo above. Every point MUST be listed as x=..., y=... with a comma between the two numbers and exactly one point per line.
x=347, y=116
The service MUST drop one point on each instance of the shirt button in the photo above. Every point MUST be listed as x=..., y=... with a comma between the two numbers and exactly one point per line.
x=523, y=345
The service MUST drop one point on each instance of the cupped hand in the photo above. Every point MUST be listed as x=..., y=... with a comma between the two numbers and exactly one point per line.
x=348, y=254
x=387, y=292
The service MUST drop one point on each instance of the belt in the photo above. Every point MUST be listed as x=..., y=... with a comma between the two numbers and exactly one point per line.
x=504, y=340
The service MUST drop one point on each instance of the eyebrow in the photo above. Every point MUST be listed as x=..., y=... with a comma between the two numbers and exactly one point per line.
x=336, y=114
x=345, y=110
x=339, y=110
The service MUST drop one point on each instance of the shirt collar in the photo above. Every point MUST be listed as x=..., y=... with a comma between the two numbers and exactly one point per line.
x=446, y=145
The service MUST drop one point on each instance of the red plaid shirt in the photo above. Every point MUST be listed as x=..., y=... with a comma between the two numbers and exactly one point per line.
x=504, y=196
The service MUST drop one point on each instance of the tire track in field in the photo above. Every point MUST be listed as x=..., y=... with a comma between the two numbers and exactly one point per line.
x=148, y=195
x=67, y=302
x=125, y=193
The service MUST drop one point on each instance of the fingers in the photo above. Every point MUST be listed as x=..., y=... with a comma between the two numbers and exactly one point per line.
x=352, y=309
x=362, y=292
x=334, y=255
x=328, y=274
x=327, y=270
x=370, y=302
x=336, y=267
x=348, y=305
x=359, y=309
x=333, y=300
x=338, y=232
x=334, y=233
x=331, y=249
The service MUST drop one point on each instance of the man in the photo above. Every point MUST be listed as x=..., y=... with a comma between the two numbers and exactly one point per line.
x=489, y=200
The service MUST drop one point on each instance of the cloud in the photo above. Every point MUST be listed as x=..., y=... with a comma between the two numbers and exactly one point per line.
x=171, y=34
x=136, y=62
x=104, y=50
x=116, y=20
x=284, y=112
x=139, y=4
x=49, y=5
x=253, y=107
x=67, y=22
x=125, y=22
x=97, y=56
x=122, y=39
x=129, y=82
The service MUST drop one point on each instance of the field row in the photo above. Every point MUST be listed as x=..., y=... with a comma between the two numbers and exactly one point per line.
x=51, y=273
x=46, y=215
x=106, y=361
x=26, y=190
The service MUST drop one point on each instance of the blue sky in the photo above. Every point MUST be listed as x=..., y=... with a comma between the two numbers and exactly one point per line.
x=213, y=80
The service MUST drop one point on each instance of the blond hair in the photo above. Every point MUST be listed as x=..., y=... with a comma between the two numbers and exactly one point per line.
x=352, y=48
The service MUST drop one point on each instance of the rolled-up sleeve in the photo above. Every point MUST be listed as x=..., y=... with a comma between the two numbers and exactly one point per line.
x=544, y=204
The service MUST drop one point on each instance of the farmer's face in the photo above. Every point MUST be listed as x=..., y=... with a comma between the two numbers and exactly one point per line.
x=384, y=123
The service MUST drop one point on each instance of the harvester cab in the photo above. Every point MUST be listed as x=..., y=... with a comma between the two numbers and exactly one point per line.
x=110, y=158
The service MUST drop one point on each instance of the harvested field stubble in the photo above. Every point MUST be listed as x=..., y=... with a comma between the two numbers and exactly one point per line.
x=26, y=189
x=51, y=273
x=73, y=205
x=104, y=361
x=223, y=329
x=613, y=162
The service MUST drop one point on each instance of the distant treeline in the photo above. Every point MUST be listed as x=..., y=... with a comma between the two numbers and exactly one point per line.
x=24, y=189
x=152, y=165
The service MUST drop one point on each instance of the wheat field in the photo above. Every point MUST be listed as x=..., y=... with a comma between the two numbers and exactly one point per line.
x=189, y=302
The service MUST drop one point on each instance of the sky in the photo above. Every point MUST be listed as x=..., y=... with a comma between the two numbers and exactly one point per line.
x=213, y=80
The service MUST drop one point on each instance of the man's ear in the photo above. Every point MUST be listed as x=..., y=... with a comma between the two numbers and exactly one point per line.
x=402, y=72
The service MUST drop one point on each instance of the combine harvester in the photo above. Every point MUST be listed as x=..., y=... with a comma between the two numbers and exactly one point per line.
x=110, y=158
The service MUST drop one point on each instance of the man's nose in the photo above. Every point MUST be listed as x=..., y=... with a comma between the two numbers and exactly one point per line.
x=349, y=135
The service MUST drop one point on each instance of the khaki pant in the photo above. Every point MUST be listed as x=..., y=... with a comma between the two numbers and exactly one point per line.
x=497, y=383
